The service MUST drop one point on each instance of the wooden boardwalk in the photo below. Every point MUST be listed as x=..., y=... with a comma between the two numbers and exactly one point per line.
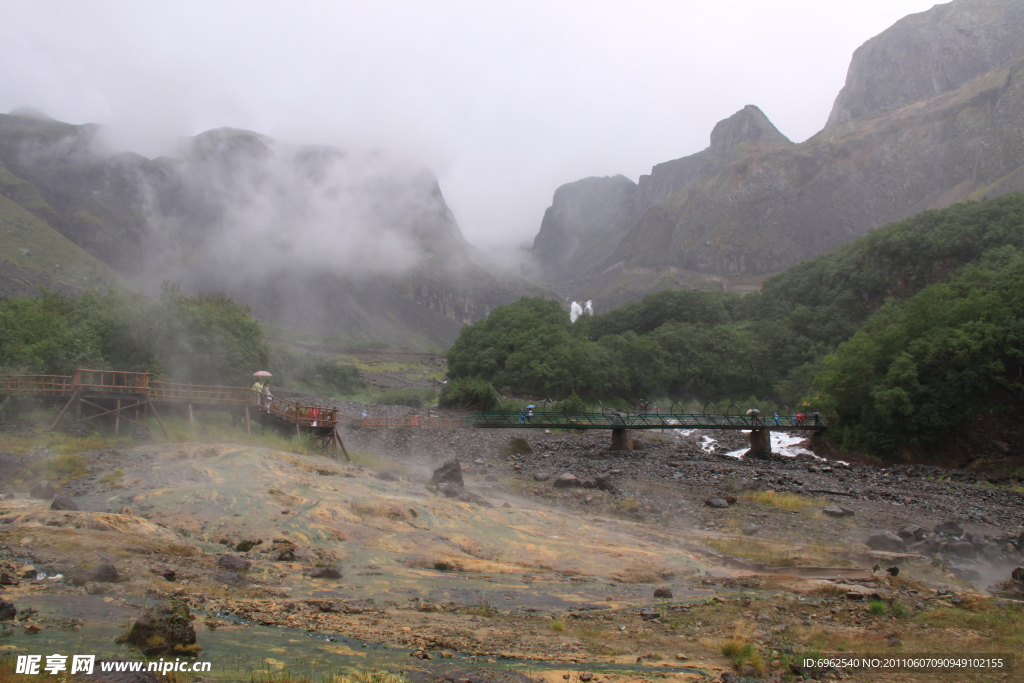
x=132, y=396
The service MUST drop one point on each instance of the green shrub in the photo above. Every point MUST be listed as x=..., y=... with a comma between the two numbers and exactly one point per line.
x=471, y=393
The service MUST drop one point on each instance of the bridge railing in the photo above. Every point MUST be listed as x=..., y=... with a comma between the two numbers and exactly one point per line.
x=169, y=392
x=409, y=422
x=612, y=420
x=301, y=414
x=47, y=385
x=111, y=381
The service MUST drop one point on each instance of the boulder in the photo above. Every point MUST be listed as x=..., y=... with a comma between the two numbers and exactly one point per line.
x=949, y=528
x=962, y=549
x=541, y=476
x=450, y=489
x=165, y=627
x=233, y=563
x=716, y=502
x=7, y=611
x=62, y=501
x=164, y=571
x=663, y=592
x=104, y=573
x=750, y=529
x=838, y=511
x=44, y=489
x=603, y=482
x=886, y=541
x=912, y=533
x=325, y=573
x=450, y=472
x=566, y=480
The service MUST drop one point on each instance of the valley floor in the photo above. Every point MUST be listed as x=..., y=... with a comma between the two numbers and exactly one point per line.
x=628, y=575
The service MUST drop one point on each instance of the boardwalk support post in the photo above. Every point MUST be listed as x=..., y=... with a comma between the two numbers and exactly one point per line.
x=339, y=442
x=760, y=441
x=621, y=440
x=248, y=431
x=152, y=407
x=74, y=397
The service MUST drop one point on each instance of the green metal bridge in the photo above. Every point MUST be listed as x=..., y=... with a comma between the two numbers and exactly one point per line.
x=611, y=420
x=620, y=423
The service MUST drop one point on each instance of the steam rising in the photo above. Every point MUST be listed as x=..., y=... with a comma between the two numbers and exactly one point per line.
x=244, y=208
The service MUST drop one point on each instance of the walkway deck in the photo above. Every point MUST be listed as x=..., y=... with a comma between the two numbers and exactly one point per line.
x=124, y=394
x=610, y=420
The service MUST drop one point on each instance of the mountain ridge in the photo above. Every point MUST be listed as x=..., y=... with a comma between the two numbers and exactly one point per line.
x=754, y=203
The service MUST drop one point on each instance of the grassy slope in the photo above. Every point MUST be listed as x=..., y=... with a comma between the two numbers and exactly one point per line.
x=52, y=256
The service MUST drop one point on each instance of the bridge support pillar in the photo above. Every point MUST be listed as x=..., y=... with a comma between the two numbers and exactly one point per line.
x=760, y=441
x=621, y=441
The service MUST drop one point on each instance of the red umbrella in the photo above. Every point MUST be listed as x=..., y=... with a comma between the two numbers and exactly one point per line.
x=261, y=373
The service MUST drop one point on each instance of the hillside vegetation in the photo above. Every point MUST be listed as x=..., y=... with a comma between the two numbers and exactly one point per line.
x=905, y=334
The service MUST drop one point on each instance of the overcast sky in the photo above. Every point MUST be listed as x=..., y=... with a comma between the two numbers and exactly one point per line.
x=505, y=101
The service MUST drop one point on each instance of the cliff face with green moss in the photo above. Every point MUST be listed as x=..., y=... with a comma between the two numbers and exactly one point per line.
x=931, y=114
x=343, y=243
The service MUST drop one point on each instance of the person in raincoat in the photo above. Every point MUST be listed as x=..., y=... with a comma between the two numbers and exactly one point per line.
x=752, y=414
x=258, y=388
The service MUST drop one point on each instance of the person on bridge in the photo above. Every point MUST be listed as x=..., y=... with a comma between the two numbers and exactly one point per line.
x=775, y=419
x=522, y=416
x=752, y=414
x=258, y=388
x=267, y=396
x=529, y=413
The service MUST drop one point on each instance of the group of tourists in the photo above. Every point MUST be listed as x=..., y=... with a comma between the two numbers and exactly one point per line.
x=265, y=402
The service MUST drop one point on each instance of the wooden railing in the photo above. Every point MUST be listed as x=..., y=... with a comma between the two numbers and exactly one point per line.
x=111, y=381
x=303, y=415
x=168, y=392
x=48, y=385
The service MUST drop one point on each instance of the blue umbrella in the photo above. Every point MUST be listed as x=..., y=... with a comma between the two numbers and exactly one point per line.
x=530, y=406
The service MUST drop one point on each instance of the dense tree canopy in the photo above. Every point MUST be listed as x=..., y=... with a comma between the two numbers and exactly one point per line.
x=199, y=339
x=935, y=299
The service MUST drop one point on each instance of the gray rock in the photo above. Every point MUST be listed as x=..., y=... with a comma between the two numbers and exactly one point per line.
x=450, y=489
x=963, y=549
x=230, y=578
x=663, y=592
x=750, y=529
x=566, y=480
x=233, y=563
x=62, y=501
x=7, y=610
x=838, y=511
x=162, y=628
x=716, y=502
x=541, y=476
x=8, y=579
x=325, y=573
x=450, y=472
x=44, y=489
x=886, y=541
x=912, y=533
x=104, y=573
x=949, y=528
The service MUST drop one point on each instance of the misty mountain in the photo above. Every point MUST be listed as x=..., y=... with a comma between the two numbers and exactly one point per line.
x=350, y=243
x=931, y=114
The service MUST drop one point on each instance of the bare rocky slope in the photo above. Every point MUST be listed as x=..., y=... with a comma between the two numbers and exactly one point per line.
x=930, y=115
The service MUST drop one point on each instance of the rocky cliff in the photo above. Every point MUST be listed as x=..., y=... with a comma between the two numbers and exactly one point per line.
x=345, y=243
x=931, y=114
